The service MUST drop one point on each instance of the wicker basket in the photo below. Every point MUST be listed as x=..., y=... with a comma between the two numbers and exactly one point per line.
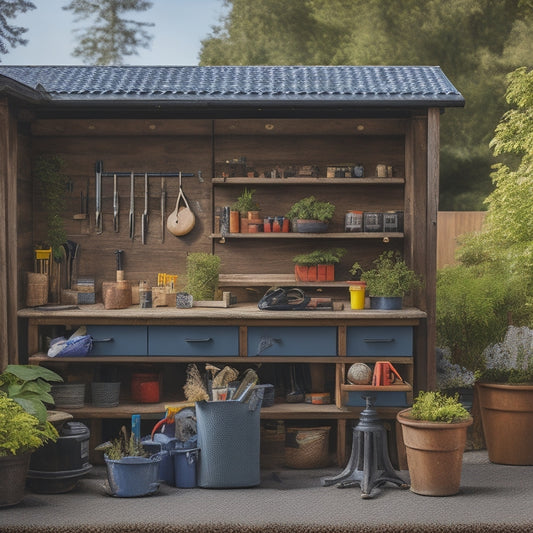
x=105, y=394
x=68, y=395
x=37, y=289
x=307, y=447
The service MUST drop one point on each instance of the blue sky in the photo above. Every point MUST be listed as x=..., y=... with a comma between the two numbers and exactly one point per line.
x=180, y=25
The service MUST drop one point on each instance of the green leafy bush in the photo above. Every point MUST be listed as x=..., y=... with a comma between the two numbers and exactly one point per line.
x=311, y=209
x=21, y=432
x=202, y=275
x=245, y=202
x=320, y=257
x=438, y=407
x=390, y=277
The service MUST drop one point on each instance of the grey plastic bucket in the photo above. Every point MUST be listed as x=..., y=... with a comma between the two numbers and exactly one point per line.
x=185, y=463
x=229, y=438
x=133, y=476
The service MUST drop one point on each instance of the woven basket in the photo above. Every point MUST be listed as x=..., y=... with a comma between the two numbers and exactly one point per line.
x=307, y=447
x=105, y=394
x=37, y=289
x=68, y=395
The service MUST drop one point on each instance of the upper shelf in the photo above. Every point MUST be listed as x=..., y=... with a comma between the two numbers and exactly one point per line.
x=308, y=181
x=301, y=235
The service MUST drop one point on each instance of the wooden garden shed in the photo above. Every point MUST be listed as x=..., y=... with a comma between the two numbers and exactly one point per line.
x=287, y=132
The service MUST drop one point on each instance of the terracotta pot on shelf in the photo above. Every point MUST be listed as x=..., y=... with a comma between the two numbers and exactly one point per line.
x=234, y=221
x=434, y=454
x=326, y=272
x=507, y=417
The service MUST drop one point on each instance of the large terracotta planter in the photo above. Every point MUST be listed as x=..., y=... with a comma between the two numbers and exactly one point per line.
x=507, y=417
x=434, y=454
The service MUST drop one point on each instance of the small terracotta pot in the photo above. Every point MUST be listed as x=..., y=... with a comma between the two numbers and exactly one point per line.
x=326, y=272
x=507, y=417
x=306, y=273
x=434, y=454
x=234, y=221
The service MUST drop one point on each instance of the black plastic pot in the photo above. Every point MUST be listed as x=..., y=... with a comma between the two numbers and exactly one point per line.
x=58, y=466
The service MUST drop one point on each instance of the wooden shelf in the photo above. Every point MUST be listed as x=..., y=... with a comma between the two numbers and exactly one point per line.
x=308, y=181
x=300, y=235
x=268, y=280
x=396, y=388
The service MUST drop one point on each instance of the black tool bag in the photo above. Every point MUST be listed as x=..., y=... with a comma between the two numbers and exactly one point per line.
x=283, y=299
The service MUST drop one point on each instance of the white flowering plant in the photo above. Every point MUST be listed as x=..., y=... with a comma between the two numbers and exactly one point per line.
x=510, y=361
x=451, y=375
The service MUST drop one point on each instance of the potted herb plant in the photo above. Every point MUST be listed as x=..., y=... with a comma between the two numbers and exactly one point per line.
x=246, y=208
x=434, y=432
x=24, y=426
x=318, y=265
x=131, y=471
x=310, y=215
x=389, y=281
x=202, y=275
x=505, y=392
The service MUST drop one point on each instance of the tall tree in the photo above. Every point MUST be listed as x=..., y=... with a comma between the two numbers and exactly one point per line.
x=476, y=42
x=110, y=38
x=11, y=36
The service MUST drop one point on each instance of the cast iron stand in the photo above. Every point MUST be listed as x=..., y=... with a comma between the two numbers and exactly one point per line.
x=369, y=465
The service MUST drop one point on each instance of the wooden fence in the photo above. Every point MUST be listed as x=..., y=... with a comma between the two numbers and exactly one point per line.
x=450, y=225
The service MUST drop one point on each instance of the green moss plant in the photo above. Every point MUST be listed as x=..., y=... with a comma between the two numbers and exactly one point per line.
x=320, y=257
x=437, y=407
x=202, y=275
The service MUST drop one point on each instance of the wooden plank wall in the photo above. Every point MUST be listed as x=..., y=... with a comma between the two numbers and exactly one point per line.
x=452, y=224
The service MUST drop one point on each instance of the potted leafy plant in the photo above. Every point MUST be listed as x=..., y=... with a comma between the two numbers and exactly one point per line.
x=310, y=215
x=247, y=208
x=23, y=425
x=202, y=275
x=505, y=392
x=434, y=433
x=131, y=471
x=318, y=265
x=389, y=281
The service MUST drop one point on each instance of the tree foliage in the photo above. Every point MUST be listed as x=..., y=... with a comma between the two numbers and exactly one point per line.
x=11, y=36
x=476, y=42
x=111, y=37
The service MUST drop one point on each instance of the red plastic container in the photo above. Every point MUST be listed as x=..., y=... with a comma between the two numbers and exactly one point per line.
x=145, y=387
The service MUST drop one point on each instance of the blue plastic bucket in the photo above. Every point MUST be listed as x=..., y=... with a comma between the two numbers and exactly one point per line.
x=185, y=461
x=133, y=476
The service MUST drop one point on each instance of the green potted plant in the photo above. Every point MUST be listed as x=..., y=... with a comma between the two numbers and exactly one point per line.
x=202, y=275
x=247, y=208
x=434, y=432
x=505, y=391
x=131, y=471
x=318, y=265
x=24, y=426
x=389, y=281
x=310, y=215
x=53, y=181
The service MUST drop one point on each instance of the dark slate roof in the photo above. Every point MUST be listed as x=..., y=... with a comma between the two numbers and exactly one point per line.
x=265, y=85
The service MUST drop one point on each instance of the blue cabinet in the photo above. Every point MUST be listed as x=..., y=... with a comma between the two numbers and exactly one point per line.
x=208, y=341
x=118, y=340
x=292, y=341
x=379, y=341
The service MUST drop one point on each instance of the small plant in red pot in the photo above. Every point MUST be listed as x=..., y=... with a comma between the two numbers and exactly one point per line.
x=318, y=265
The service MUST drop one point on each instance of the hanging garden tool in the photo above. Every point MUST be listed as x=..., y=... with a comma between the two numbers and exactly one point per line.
x=115, y=204
x=181, y=221
x=144, y=219
x=131, y=218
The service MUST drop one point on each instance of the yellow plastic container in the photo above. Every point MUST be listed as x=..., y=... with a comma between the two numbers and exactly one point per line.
x=357, y=294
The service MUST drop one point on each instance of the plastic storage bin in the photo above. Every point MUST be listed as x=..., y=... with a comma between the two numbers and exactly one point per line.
x=229, y=439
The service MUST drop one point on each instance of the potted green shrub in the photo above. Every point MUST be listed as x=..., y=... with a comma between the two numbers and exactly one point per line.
x=310, y=215
x=23, y=425
x=389, y=281
x=318, y=265
x=202, y=275
x=434, y=432
x=505, y=391
x=246, y=207
x=131, y=471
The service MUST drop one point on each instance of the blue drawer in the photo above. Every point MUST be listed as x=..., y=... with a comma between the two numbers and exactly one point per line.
x=379, y=341
x=118, y=340
x=292, y=341
x=208, y=341
x=383, y=398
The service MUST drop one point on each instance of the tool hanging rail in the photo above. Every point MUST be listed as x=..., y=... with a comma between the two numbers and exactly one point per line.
x=99, y=170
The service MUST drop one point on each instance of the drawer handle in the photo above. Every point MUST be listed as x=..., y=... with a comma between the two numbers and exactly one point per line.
x=378, y=340
x=105, y=339
x=265, y=343
x=207, y=339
